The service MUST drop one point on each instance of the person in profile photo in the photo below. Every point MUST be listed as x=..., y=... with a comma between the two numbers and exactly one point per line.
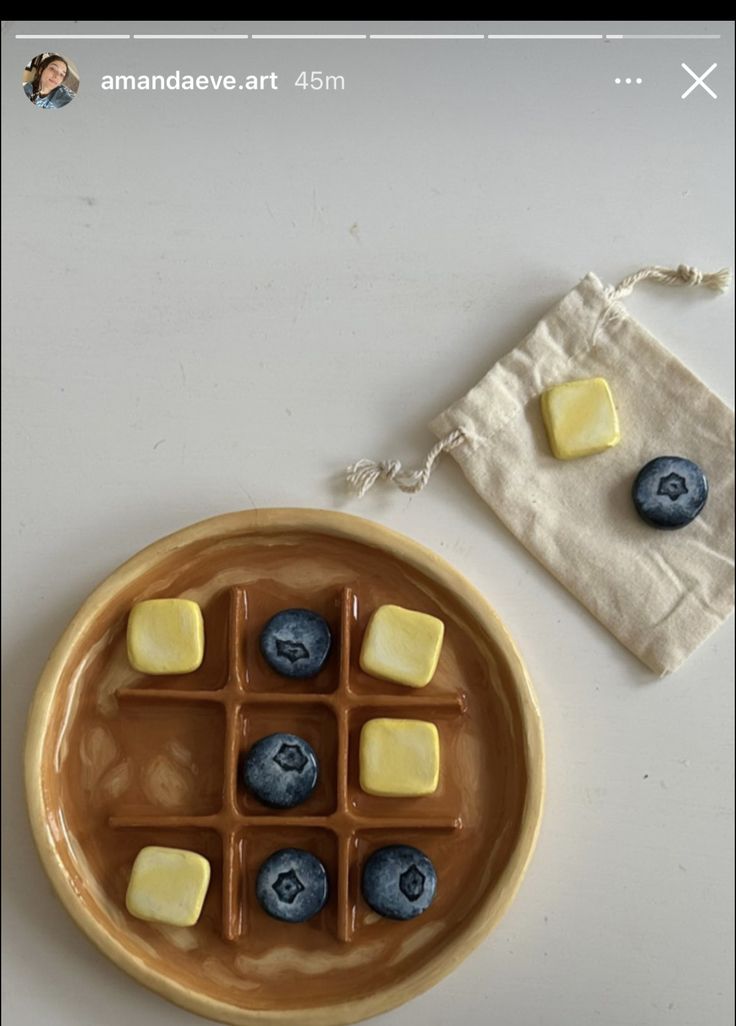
x=50, y=81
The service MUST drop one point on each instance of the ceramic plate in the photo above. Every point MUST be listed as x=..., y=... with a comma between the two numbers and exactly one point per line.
x=117, y=760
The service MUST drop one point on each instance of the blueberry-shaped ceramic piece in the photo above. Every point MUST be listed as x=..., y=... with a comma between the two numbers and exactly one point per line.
x=399, y=882
x=670, y=492
x=292, y=885
x=296, y=643
x=281, y=770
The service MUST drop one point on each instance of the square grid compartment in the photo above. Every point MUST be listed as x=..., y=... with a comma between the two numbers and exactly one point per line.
x=249, y=832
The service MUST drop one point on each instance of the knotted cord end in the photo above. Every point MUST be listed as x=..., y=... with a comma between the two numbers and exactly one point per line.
x=362, y=475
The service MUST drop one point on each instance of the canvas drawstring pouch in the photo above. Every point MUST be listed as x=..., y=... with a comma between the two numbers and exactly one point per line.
x=660, y=592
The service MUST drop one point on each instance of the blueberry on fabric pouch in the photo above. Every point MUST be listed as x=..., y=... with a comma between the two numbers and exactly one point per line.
x=669, y=492
x=292, y=885
x=296, y=643
x=399, y=881
x=281, y=770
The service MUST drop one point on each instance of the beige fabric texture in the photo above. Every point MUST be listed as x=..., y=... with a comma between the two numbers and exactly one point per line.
x=661, y=593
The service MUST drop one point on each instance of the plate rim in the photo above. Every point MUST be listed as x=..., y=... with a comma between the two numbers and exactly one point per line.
x=354, y=528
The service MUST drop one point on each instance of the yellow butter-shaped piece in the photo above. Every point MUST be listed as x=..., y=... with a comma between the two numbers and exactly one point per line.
x=399, y=758
x=166, y=636
x=580, y=418
x=402, y=645
x=168, y=885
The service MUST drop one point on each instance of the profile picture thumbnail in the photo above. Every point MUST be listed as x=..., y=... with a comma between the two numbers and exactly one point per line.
x=50, y=81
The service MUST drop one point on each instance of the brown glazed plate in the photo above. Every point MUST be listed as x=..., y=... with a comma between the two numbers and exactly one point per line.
x=116, y=760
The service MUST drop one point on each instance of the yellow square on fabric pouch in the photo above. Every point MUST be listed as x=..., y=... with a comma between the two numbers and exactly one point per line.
x=580, y=418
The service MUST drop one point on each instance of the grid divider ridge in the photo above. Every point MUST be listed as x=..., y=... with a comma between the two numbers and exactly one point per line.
x=233, y=860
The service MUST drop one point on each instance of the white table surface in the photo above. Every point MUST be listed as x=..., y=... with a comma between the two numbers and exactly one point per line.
x=217, y=301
